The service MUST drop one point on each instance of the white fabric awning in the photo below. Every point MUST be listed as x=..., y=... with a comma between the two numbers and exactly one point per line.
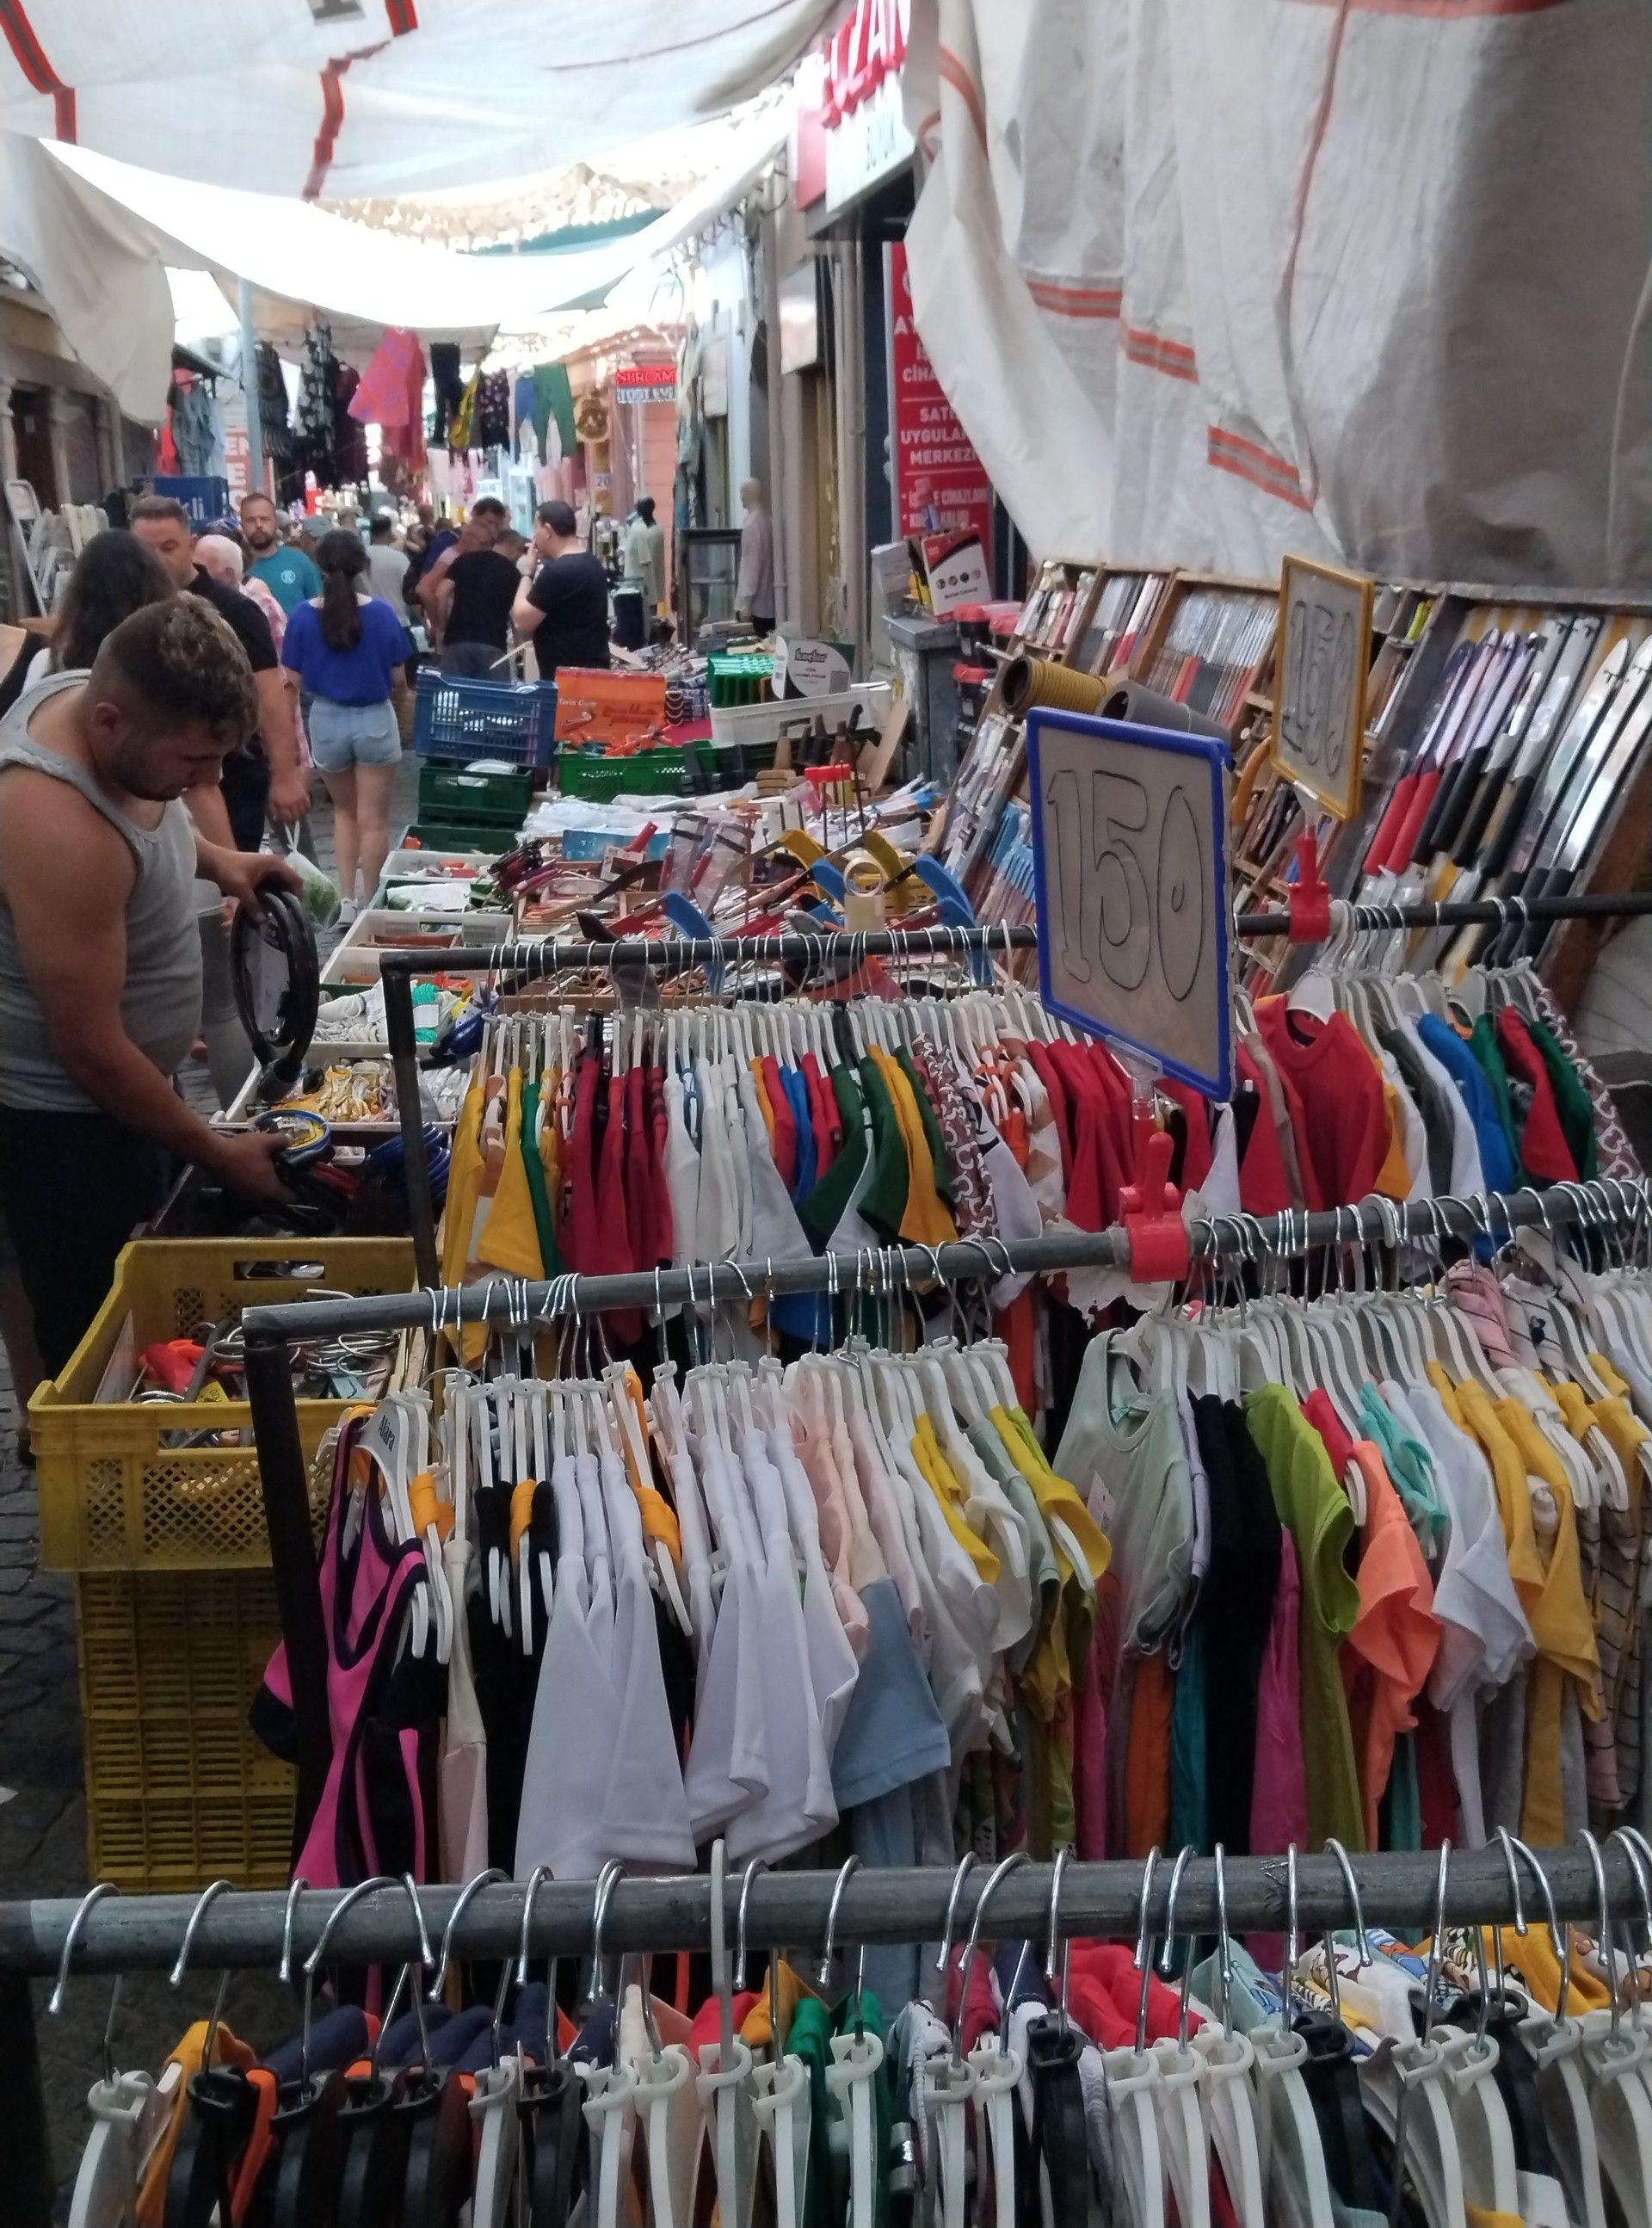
x=96, y=235
x=345, y=98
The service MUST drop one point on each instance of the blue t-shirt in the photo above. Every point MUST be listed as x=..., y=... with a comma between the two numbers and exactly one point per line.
x=1496, y=1154
x=362, y=675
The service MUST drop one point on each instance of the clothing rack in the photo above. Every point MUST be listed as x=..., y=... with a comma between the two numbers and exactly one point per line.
x=533, y=961
x=283, y=1469
x=774, y=1911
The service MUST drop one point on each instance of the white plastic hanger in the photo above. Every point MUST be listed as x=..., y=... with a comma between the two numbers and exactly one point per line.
x=1179, y=2098
x=1133, y=2079
x=1615, y=2057
x=1293, y=2156
x=1555, y=2041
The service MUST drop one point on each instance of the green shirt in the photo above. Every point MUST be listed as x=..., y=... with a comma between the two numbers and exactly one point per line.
x=1483, y=1045
x=1317, y=1514
x=289, y=576
x=1572, y=1100
x=884, y=1202
x=822, y=1210
x=544, y=1219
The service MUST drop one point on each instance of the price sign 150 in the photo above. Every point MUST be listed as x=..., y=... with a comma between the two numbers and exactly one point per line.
x=1129, y=829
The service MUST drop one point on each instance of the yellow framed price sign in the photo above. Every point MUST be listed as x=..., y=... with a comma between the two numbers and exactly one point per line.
x=1324, y=656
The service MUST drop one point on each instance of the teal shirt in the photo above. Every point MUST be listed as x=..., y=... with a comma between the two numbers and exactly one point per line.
x=289, y=576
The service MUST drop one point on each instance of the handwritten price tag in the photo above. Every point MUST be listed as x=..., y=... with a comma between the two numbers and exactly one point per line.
x=1324, y=655
x=1129, y=852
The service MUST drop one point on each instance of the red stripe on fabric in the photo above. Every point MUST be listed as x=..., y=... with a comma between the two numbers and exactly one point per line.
x=1110, y=298
x=67, y=124
x=1269, y=459
x=1224, y=462
x=1082, y=309
x=1139, y=336
x=29, y=55
x=1174, y=358
x=967, y=90
x=332, y=117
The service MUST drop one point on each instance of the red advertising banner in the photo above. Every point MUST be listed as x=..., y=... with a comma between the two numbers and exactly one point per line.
x=939, y=480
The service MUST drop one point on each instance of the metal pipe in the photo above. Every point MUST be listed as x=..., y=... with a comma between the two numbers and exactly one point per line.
x=678, y=955
x=401, y=1030
x=906, y=1268
x=1469, y=913
x=284, y=1478
x=132, y=1933
x=257, y=465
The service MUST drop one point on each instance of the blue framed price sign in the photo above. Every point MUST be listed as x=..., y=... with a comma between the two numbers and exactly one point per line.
x=1130, y=855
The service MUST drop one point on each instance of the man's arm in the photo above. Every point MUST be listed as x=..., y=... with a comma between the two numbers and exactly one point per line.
x=211, y=817
x=526, y=613
x=51, y=838
x=278, y=712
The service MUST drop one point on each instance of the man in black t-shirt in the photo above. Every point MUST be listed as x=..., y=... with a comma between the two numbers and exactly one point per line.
x=468, y=592
x=565, y=607
x=267, y=772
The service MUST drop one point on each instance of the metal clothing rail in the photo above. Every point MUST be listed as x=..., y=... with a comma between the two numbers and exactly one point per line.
x=790, y=1909
x=1349, y=916
x=283, y=1471
x=531, y=960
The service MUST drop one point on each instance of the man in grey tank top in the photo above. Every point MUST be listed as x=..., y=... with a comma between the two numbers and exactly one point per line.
x=100, y=954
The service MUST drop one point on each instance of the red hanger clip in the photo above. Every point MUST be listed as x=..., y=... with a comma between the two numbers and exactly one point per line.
x=1160, y=1252
x=1310, y=894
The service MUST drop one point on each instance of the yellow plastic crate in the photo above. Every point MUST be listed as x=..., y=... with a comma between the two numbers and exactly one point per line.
x=179, y=1790
x=111, y=1497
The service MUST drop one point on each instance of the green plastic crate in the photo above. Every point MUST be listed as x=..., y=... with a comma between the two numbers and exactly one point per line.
x=492, y=842
x=649, y=773
x=452, y=793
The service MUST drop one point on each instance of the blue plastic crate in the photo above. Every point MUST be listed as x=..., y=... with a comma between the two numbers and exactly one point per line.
x=511, y=719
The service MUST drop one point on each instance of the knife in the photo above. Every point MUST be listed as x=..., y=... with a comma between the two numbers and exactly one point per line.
x=1566, y=850
x=1585, y=744
x=1577, y=746
x=1489, y=830
x=1464, y=727
x=1455, y=682
x=1451, y=800
x=1546, y=646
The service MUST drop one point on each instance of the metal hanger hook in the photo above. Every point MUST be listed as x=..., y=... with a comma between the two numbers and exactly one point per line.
x=466, y=1895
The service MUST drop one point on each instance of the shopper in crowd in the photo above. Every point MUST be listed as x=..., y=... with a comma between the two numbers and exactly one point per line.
x=267, y=770
x=645, y=554
x=468, y=593
x=286, y=571
x=565, y=606
x=386, y=565
x=754, y=584
x=223, y=555
x=93, y=770
x=114, y=576
x=348, y=648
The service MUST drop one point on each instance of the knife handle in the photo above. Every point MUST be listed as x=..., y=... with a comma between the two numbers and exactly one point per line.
x=1404, y=848
x=1456, y=794
x=1387, y=827
x=1471, y=835
x=1512, y=807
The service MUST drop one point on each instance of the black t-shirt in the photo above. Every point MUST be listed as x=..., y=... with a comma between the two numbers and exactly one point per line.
x=484, y=588
x=573, y=593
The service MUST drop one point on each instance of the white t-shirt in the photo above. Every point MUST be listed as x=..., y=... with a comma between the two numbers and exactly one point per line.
x=387, y=568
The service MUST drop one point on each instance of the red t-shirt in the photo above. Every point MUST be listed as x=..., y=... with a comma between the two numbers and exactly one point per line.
x=1344, y=1134
x=1543, y=1146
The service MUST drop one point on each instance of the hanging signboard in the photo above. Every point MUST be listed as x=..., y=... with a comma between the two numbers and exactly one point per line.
x=941, y=485
x=1130, y=859
x=1323, y=657
x=646, y=382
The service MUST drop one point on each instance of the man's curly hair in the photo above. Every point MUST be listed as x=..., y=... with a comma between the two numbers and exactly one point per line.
x=180, y=662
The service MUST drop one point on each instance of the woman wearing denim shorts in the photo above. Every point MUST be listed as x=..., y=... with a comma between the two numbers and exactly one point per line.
x=348, y=649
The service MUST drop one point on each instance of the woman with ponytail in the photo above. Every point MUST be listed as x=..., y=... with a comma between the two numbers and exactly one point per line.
x=348, y=649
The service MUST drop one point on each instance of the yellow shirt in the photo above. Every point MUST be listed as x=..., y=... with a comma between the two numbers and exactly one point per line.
x=926, y=1221
x=510, y=1239
x=942, y=1481
x=1393, y=1177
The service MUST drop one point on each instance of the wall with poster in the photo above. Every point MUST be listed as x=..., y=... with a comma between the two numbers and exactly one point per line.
x=939, y=482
